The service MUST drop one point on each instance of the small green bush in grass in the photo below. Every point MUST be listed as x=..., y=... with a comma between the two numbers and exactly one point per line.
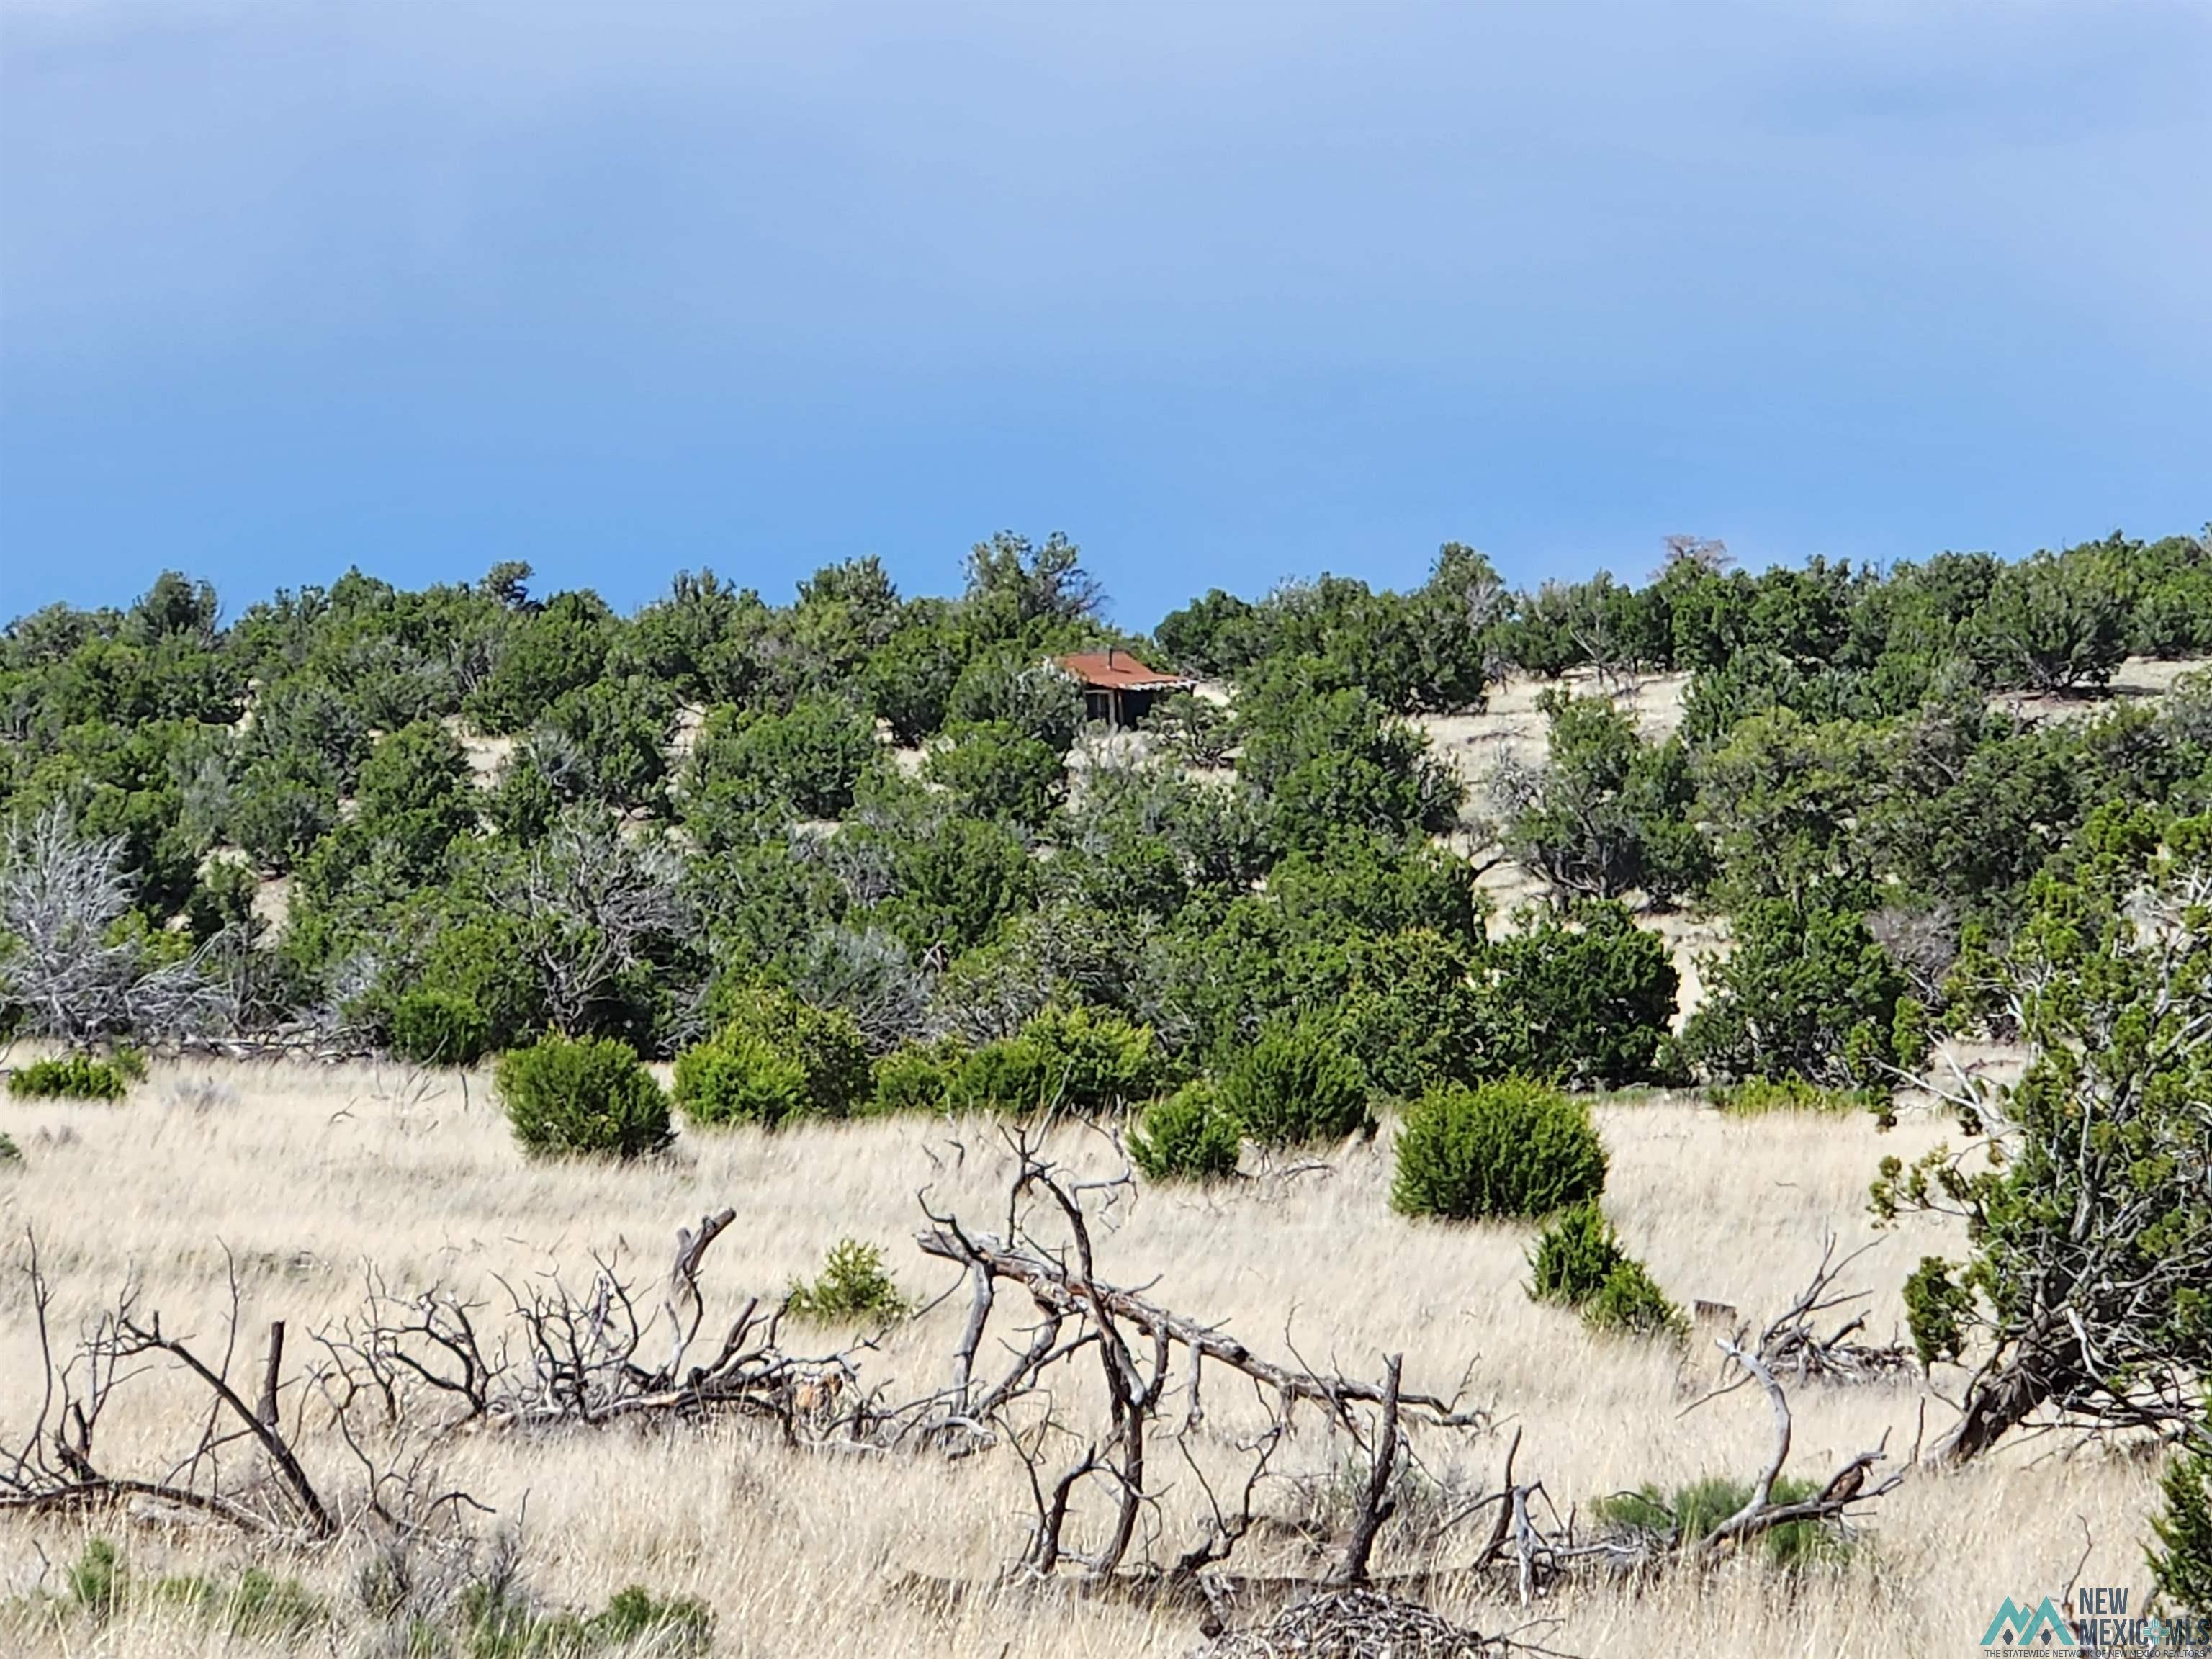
x=73, y=1077
x=1756, y=1096
x=1085, y=1061
x=1509, y=1148
x=1695, y=1509
x=1574, y=1255
x=500, y=1621
x=822, y=1042
x=258, y=1605
x=667, y=1627
x=566, y=1095
x=10, y=1154
x=1578, y=1263
x=741, y=1078
x=1098, y=1061
x=99, y=1581
x=919, y=1078
x=1011, y=1075
x=434, y=1027
x=1186, y=1137
x=854, y=1285
x=1296, y=1085
x=1631, y=1303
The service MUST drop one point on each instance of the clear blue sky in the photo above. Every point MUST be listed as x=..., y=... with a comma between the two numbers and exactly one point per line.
x=1227, y=294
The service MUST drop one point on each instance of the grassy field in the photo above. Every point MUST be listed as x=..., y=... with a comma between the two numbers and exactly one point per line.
x=302, y=1179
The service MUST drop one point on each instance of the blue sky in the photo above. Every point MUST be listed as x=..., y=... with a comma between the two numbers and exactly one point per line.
x=1229, y=294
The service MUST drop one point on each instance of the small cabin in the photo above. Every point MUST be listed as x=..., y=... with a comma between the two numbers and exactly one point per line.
x=1117, y=688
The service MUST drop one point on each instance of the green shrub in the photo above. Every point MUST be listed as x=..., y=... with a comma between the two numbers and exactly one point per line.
x=1186, y=1137
x=1697, y=1508
x=485, y=963
x=1575, y=1255
x=11, y=1153
x=439, y=1028
x=741, y=1078
x=1757, y=1095
x=498, y=1621
x=810, y=758
x=1507, y=1148
x=996, y=771
x=1097, y=1060
x=415, y=796
x=73, y=1077
x=854, y=1285
x=823, y=1044
x=919, y=1078
x=1937, y=1310
x=1081, y=1060
x=258, y=1605
x=1578, y=1263
x=2180, y=1553
x=1630, y=1302
x=668, y=1627
x=1587, y=998
x=1805, y=993
x=1007, y=1074
x=588, y=1095
x=99, y=1581
x=1296, y=1085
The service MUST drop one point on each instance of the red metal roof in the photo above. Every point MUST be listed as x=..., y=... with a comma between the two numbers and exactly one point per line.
x=1116, y=670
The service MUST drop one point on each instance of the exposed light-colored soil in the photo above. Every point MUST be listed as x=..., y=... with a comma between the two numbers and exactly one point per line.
x=1513, y=724
x=486, y=756
x=2138, y=679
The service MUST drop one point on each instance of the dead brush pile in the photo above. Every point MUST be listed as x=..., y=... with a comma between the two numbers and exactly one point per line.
x=1355, y=1624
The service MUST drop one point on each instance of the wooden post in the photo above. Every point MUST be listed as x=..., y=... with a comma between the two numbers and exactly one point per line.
x=269, y=1413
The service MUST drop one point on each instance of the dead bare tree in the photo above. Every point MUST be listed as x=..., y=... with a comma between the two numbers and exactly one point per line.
x=54, y=1466
x=1144, y=1352
x=1793, y=1344
x=556, y=1355
x=1594, y=624
x=1707, y=554
x=64, y=970
x=593, y=904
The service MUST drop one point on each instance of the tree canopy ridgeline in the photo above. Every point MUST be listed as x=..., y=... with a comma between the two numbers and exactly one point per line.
x=500, y=815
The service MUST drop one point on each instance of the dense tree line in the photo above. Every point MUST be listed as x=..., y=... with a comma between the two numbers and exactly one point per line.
x=705, y=802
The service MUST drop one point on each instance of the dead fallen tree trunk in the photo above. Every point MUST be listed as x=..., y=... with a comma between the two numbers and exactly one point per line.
x=1059, y=1293
x=1146, y=1352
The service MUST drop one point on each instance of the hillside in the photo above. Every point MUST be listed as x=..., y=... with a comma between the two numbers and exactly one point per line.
x=1598, y=1105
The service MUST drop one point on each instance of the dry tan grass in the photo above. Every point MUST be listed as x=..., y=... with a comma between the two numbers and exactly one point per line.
x=304, y=1176
x=1511, y=724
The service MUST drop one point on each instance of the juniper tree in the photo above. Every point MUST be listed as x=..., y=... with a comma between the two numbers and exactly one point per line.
x=2088, y=1290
